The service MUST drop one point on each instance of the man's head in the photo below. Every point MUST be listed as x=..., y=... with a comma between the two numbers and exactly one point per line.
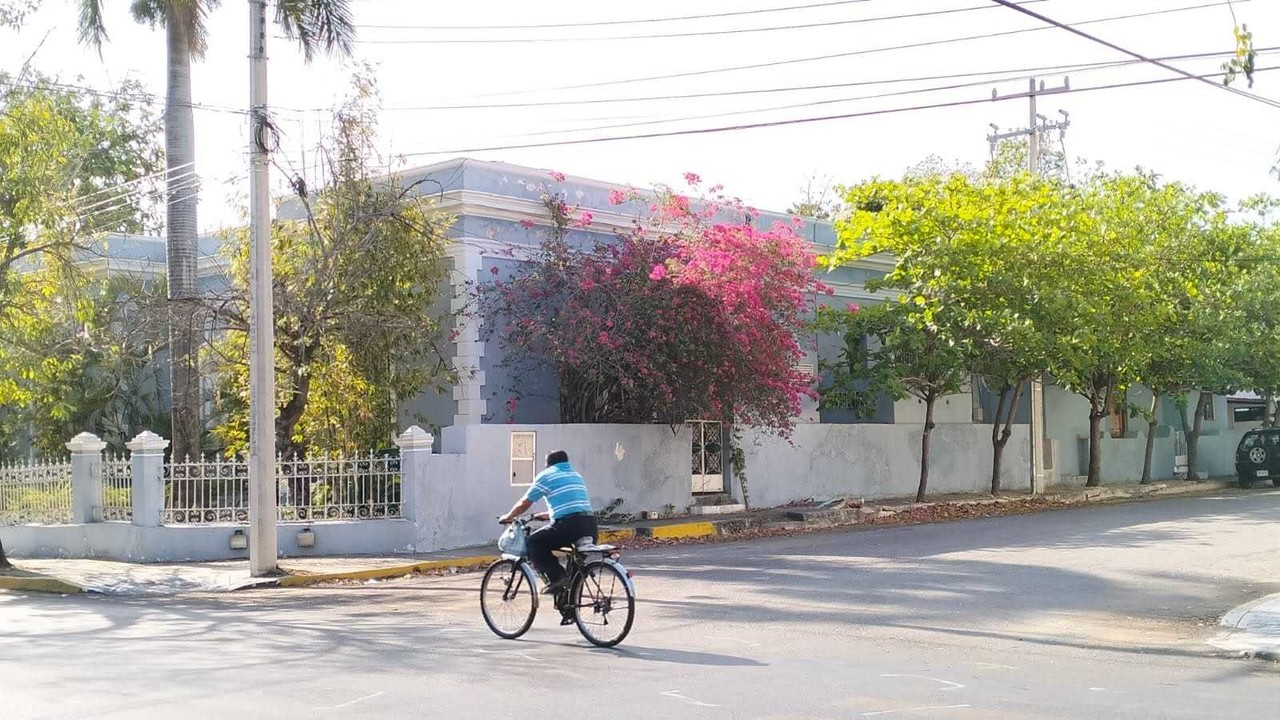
x=557, y=457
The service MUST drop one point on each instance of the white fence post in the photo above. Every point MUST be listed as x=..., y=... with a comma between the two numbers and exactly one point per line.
x=86, y=477
x=415, y=451
x=147, y=457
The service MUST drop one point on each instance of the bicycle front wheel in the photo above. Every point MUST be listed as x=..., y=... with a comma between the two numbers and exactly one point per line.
x=508, y=598
x=604, y=605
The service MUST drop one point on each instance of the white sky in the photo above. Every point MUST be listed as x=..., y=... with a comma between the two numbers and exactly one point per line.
x=1184, y=129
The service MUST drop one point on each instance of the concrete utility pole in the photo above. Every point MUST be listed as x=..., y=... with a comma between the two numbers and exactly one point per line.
x=1037, y=124
x=262, y=381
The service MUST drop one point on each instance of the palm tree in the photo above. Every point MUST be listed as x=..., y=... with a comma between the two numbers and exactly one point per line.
x=313, y=24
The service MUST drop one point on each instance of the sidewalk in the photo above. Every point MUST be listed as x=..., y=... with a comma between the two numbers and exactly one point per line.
x=108, y=577
x=1253, y=629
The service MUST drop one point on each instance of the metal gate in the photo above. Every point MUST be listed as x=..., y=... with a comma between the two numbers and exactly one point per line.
x=708, y=456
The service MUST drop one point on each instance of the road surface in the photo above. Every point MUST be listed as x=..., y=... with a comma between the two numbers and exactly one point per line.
x=1091, y=613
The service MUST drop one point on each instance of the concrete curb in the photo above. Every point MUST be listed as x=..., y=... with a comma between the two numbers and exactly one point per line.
x=680, y=531
x=615, y=535
x=35, y=582
x=1242, y=640
x=300, y=578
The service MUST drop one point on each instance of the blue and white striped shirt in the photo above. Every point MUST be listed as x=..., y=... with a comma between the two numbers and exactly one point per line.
x=563, y=489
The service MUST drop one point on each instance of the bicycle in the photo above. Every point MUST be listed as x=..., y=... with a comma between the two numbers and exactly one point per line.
x=600, y=596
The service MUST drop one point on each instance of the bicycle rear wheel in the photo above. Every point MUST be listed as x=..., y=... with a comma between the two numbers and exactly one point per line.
x=508, y=598
x=604, y=605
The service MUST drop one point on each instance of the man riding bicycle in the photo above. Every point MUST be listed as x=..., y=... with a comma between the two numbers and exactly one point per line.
x=565, y=493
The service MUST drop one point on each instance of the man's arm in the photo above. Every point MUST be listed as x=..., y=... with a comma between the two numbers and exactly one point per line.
x=516, y=510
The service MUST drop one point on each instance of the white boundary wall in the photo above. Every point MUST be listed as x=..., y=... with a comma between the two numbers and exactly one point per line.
x=452, y=498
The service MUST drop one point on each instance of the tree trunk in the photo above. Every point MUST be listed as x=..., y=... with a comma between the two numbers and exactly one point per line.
x=997, y=443
x=929, y=401
x=1193, y=429
x=1005, y=433
x=1152, y=423
x=299, y=394
x=180, y=243
x=1096, y=414
x=4, y=561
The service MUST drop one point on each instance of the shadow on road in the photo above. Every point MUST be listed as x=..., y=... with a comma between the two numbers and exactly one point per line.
x=681, y=657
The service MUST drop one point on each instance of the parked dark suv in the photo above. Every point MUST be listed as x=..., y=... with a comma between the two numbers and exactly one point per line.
x=1258, y=457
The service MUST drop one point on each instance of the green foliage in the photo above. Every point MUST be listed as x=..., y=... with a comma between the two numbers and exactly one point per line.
x=1245, y=60
x=1123, y=279
x=313, y=24
x=65, y=355
x=65, y=157
x=1009, y=158
x=819, y=200
x=889, y=349
x=80, y=355
x=358, y=282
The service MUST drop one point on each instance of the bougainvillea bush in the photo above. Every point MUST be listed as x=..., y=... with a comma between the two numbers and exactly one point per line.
x=694, y=313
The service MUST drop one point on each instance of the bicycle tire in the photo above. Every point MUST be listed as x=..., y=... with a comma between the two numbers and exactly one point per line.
x=524, y=583
x=618, y=583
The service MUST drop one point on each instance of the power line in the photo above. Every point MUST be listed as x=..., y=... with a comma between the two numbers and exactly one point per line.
x=141, y=178
x=794, y=106
x=780, y=123
x=117, y=94
x=855, y=53
x=1094, y=38
x=1074, y=67
x=603, y=23
x=668, y=36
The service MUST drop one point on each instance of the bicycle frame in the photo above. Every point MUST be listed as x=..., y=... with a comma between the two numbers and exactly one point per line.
x=577, y=561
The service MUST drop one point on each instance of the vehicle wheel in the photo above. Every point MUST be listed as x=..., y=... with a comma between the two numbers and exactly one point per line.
x=508, y=598
x=1275, y=481
x=603, y=604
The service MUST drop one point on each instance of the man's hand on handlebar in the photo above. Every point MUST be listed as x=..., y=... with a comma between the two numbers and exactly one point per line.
x=508, y=519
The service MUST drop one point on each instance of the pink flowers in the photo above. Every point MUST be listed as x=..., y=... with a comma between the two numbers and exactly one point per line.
x=691, y=312
x=852, y=307
x=693, y=179
x=557, y=176
x=527, y=224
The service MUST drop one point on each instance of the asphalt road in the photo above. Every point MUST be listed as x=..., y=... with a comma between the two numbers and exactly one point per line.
x=1091, y=613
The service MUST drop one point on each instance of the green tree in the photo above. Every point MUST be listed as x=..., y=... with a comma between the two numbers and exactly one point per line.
x=1009, y=158
x=81, y=353
x=1098, y=294
x=313, y=24
x=357, y=283
x=1257, y=353
x=61, y=153
x=969, y=243
x=1197, y=258
x=895, y=348
x=819, y=199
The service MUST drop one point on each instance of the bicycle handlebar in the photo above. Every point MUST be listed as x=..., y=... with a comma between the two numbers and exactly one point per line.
x=525, y=519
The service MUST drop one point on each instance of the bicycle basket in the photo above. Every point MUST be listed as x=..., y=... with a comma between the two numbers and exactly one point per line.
x=512, y=541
